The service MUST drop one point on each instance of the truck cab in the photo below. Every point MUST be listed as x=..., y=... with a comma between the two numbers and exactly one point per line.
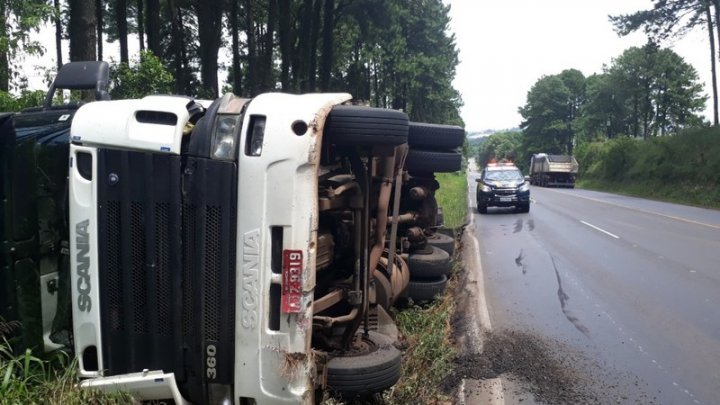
x=238, y=252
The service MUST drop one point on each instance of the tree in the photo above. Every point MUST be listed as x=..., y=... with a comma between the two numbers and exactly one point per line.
x=674, y=18
x=209, y=15
x=501, y=145
x=146, y=75
x=550, y=115
x=18, y=18
x=81, y=29
x=152, y=26
x=657, y=90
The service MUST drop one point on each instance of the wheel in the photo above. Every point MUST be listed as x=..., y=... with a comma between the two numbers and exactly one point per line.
x=373, y=367
x=421, y=290
x=523, y=208
x=352, y=125
x=482, y=208
x=434, y=136
x=429, y=262
x=439, y=218
x=442, y=241
x=383, y=290
x=419, y=160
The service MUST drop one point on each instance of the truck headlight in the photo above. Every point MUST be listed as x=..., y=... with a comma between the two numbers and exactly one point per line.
x=525, y=187
x=255, y=136
x=224, y=135
x=485, y=188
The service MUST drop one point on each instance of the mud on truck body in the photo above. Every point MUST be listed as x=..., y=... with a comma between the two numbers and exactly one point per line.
x=243, y=252
x=34, y=256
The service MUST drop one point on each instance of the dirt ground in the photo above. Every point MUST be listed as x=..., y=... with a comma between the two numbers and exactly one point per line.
x=534, y=368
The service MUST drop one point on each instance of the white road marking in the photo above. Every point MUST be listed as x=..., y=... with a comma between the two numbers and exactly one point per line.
x=600, y=229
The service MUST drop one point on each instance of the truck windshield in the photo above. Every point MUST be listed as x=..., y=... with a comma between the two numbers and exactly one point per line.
x=504, y=175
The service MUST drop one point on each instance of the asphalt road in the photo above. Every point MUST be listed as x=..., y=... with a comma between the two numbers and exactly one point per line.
x=628, y=289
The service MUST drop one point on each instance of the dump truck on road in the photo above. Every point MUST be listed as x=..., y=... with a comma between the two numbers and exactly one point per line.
x=553, y=170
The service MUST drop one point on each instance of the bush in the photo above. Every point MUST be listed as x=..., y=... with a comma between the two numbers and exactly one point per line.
x=147, y=75
x=684, y=168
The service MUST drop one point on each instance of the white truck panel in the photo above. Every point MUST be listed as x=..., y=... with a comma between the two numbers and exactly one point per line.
x=278, y=188
x=84, y=247
x=122, y=128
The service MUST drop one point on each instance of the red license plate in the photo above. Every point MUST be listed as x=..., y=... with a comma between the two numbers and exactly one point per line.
x=292, y=281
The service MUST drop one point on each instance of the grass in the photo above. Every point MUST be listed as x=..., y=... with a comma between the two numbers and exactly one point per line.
x=27, y=379
x=688, y=194
x=452, y=197
x=430, y=354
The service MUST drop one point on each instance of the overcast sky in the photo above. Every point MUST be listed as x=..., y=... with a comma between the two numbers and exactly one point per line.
x=506, y=46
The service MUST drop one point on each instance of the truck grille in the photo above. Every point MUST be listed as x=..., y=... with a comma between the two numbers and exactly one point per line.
x=167, y=265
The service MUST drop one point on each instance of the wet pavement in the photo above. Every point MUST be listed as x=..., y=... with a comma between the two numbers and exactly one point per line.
x=595, y=298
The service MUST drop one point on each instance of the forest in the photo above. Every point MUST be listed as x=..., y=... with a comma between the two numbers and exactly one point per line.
x=388, y=53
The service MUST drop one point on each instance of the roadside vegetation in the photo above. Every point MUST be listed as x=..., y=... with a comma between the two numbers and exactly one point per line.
x=27, y=379
x=430, y=353
x=684, y=168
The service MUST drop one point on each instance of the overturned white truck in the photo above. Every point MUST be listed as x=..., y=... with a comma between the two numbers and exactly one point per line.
x=240, y=251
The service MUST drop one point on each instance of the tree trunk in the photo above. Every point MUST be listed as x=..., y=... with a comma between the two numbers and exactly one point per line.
x=121, y=21
x=327, y=48
x=713, y=60
x=152, y=26
x=99, y=19
x=252, y=81
x=314, y=37
x=4, y=62
x=300, y=57
x=267, y=59
x=58, y=34
x=235, y=27
x=209, y=29
x=284, y=32
x=82, y=30
x=141, y=23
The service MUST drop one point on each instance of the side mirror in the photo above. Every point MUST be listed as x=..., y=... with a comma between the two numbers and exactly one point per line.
x=527, y=178
x=478, y=180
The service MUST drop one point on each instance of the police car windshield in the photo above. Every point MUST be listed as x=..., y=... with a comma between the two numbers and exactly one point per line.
x=503, y=175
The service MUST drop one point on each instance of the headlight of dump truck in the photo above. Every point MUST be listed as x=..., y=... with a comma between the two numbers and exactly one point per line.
x=224, y=135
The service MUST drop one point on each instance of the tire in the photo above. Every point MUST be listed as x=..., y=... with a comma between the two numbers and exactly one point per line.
x=524, y=208
x=430, y=262
x=482, y=208
x=351, y=125
x=368, y=372
x=442, y=241
x=434, y=136
x=422, y=290
x=419, y=160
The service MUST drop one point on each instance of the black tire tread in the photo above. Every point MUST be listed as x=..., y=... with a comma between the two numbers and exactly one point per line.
x=368, y=372
x=351, y=125
x=419, y=160
x=426, y=289
x=435, y=136
x=431, y=263
x=442, y=241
